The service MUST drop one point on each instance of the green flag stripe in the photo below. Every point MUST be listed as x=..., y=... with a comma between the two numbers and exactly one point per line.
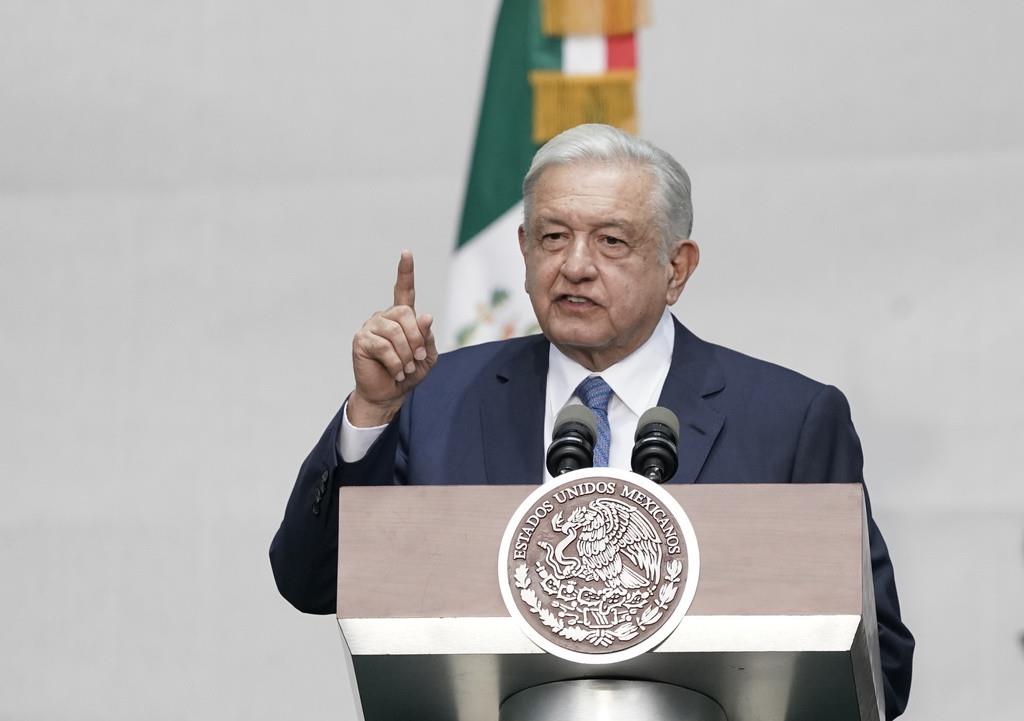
x=504, y=147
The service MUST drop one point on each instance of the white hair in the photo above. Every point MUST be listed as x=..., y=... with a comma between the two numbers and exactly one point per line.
x=594, y=143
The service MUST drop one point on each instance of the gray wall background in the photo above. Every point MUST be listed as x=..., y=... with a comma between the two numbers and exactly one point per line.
x=200, y=201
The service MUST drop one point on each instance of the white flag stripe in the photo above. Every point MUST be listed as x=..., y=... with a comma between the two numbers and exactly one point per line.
x=584, y=54
x=490, y=261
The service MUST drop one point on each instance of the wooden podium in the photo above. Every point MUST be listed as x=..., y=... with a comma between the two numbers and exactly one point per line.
x=782, y=625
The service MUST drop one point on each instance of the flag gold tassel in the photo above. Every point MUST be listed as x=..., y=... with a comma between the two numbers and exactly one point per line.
x=592, y=17
x=564, y=101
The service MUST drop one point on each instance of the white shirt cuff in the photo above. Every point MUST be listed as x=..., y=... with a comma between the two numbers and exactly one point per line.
x=354, y=442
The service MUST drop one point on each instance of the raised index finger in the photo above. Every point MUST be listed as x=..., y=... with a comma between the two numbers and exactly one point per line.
x=405, y=283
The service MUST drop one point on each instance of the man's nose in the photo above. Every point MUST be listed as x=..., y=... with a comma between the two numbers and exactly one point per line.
x=579, y=265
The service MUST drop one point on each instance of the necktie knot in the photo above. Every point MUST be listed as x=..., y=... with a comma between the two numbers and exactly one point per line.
x=595, y=394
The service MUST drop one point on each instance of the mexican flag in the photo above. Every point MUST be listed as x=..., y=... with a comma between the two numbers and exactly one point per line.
x=554, y=64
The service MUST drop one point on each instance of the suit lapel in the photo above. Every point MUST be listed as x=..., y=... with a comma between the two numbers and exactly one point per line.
x=693, y=376
x=512, y=414
x=512, y=405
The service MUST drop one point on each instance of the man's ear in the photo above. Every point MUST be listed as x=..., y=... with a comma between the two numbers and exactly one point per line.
x=681, y=263
x=522, y=249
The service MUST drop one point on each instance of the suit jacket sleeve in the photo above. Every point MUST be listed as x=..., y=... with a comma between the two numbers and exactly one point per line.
x=829, y=450
x=304, y=552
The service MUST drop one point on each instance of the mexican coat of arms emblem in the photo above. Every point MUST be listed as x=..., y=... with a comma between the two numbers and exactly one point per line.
x=599, y=566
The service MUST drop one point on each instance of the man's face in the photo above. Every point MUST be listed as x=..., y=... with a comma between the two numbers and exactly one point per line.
x=593, y=270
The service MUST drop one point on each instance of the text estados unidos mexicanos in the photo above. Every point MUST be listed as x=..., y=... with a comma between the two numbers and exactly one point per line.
x=607, y=488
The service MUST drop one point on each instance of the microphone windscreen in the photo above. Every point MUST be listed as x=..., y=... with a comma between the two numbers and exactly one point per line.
x=660, y=415
x=576, y=413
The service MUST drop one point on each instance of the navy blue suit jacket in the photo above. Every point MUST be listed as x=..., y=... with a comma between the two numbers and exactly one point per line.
x=478, y=417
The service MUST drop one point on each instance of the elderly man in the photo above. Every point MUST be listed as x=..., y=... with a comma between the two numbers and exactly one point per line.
x=606, y=243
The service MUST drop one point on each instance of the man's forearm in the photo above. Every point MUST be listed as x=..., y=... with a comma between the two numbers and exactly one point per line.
x=304, y=552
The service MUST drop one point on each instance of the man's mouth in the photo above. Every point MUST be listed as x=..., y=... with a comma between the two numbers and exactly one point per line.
x=575, y=300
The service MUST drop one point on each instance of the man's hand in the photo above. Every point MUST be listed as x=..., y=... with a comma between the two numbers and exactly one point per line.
x=391, y=353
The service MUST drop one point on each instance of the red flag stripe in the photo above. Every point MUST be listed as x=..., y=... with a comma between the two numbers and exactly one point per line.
x=621, y=52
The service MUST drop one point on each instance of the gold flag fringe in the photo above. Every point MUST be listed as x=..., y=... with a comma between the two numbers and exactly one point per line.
x=592, y=17
x=564, y=101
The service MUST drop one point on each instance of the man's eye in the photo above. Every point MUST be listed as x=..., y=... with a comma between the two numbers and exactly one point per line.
x=612, y=246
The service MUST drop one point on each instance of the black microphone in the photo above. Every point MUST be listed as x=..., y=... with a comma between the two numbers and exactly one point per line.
x=654, y=454
x=572, y=441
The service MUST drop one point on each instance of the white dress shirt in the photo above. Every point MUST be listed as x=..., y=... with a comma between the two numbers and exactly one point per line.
x=636, y=383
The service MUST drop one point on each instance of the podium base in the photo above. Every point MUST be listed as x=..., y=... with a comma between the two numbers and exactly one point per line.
x=609, y=700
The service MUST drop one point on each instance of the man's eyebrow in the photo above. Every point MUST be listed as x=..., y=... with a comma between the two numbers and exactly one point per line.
x=621, y=223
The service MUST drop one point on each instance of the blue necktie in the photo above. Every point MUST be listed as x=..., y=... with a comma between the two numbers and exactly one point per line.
x=595, y=394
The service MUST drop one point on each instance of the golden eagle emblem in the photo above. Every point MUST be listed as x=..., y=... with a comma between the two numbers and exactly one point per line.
x=615, y=545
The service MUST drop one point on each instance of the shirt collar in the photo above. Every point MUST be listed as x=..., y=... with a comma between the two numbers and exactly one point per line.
x=633, y=379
